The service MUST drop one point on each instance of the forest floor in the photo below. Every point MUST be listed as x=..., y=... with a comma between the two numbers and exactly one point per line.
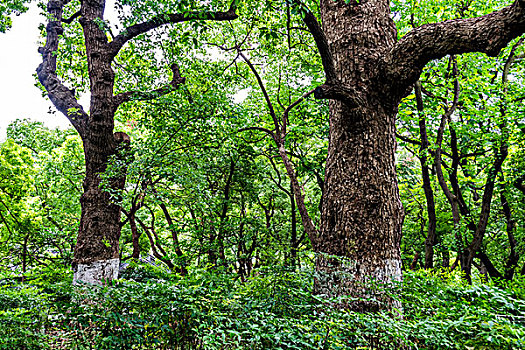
x=151, y=309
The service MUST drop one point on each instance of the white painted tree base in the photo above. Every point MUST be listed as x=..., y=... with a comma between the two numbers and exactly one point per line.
x=97, y=272
x=371, y=282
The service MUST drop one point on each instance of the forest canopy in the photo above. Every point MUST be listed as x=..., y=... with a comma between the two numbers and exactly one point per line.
x=295, y=163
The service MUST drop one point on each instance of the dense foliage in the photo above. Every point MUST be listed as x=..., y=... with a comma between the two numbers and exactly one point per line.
x=274, y=309
x=213, y=252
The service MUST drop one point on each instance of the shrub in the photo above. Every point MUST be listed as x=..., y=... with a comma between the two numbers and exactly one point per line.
x=275, y=309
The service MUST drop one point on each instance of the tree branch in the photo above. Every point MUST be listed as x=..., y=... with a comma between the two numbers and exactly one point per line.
x=339, y=92
x=265, y=93
x=408, y=139
x=290, y=107
x=486, y=201
x=488, y=34
x=72, y=18
x=269, y=132
x=333, y=88
x=159, y=20
x=176, y=81
x=322, y=44
x=62, y=98
x=452, y=199
x=510, y=60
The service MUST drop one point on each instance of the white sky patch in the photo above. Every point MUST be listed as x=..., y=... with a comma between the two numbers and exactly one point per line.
x=19, y=97
x=241, y=95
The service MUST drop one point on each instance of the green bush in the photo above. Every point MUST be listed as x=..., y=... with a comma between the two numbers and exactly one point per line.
x=23, y=314
x=275, y=309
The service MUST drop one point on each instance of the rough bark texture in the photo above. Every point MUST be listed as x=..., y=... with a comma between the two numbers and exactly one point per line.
x=99, y=232
x=487, y=34
x=367, y=74
x=361, y=211
x=98, y=240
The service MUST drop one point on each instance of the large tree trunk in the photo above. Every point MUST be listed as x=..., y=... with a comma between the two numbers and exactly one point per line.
x=96, y=254
x=367, y=74
x=361, y=211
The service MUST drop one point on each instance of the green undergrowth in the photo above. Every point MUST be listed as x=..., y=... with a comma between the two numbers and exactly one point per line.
x=210, y=309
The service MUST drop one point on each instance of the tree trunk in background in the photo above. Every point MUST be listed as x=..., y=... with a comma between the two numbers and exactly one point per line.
x=293, y=232
x=431, y=239
x=24, y=257
x=135, y=235
x=513, y=258
x=445, y=258
x=361, y=211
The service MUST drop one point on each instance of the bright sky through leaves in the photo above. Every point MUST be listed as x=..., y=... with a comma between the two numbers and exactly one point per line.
x=19, y=97
x=19, y=58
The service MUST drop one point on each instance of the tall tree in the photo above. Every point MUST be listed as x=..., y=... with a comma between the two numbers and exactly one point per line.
x=368, y=71
x=96, y=252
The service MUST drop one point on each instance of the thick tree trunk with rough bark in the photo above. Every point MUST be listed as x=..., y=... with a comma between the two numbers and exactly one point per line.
x=96, y=253
x=99, y=233
x=367, y=74
x=361, y=211
x=96, y=256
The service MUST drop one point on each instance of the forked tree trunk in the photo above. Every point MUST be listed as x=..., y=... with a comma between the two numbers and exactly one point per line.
x=361, y=210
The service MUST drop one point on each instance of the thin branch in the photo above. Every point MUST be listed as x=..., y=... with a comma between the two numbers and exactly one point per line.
x=159, y=20
x=510, y=60
x=322, y=43
x=256, y=128
x=438, y=161
x=72, y=18
x=263, y=89
x=176, y=81
x=407, y=139
x=290, y=107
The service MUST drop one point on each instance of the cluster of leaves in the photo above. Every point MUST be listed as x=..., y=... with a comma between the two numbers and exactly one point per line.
x=7, y=9
x=274, y=309
x=40, y=176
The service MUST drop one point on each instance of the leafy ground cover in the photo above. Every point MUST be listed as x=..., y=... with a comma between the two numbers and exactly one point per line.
x=210, y=309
